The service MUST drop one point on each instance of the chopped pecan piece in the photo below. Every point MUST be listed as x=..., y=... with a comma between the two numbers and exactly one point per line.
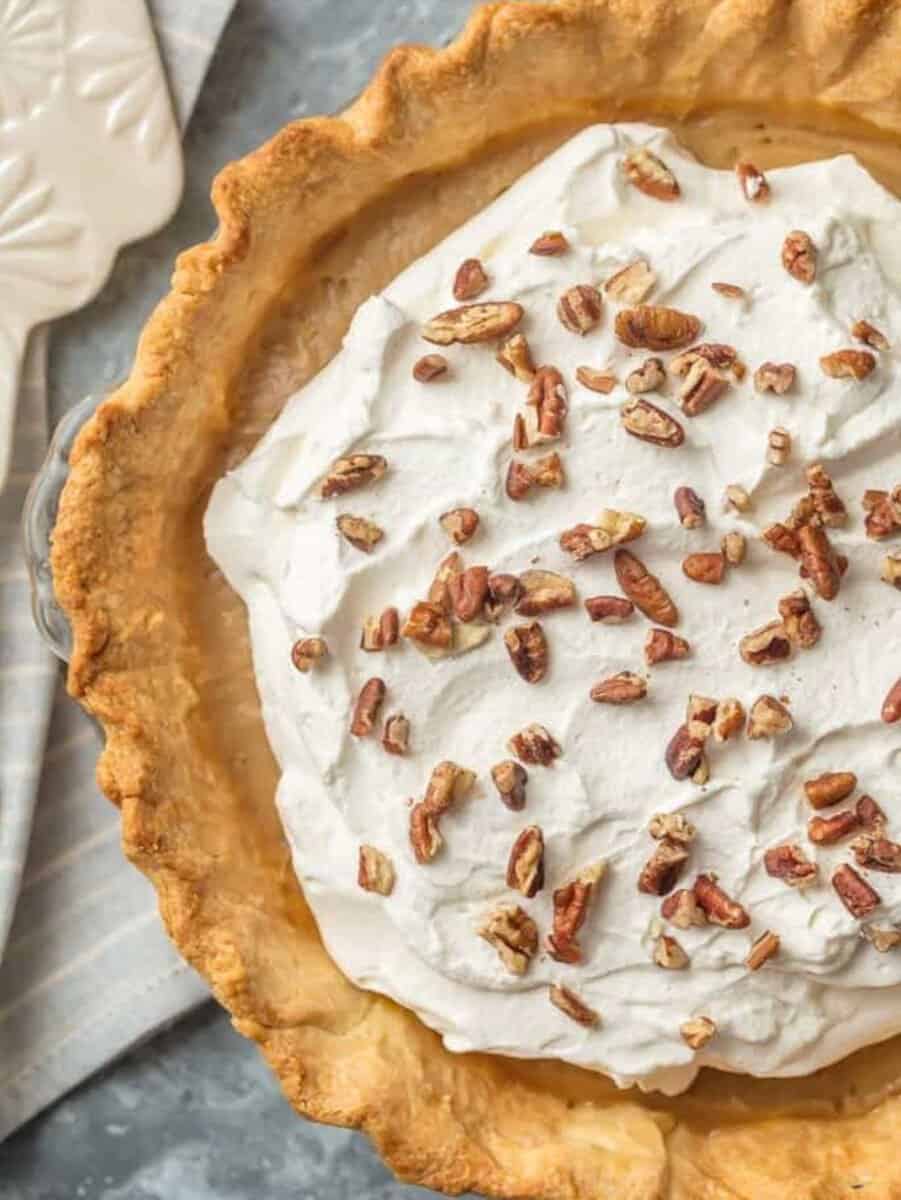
x=632, y=283
x=527, y=647
x=781, y=538
x=571, y=1004
x=700, y=713
x=661, y=872
x=570, y=910
x=673, y=826
x=525, y=866
x=447, y=784
x=624, y=688
x=669, y=954
x=789, y=863
x=375, y=871
x=730, y=290
x=881, y=518
x=854, y=892
x=661, y=645
x=473, y=323
x=519, y=480
x=799, y=256
x=768, y=718
x=650, y=174
x=429, y=367
x=769, y=644
x=468, y=591
x=691, y=509
x=649, y=377
x=429, y=624
x=819, y=560
x=891, y=705
x=470, y=280
x=612, y=529
x=684, y=753
x=829, y=788
x=877, y=854
x=826, y=831
x=362, y=534
x=734, y=547
x=439, y=589
x=503, y=593
x=549, y=243
x=396, y=734
x=865, y=332
x=380, y=632
x=870, y=815
x=800, y=621
x=535, y=746
x=354, y=471
x=543, y=592
x=701, y=388
x=848, y=364
x=460, y=524
x=774, y=377
x=515, y=356
x=705, y=567
x=651, y=424
x=307, y=652
x=827, y=504
x=714, y=354
x=579, y=308
x=596, y=380
x=729, y=719
x=883, y=940
x=735, y=496
x=718, y=907
x=510, y=780
x=655, y=327
x=424, y=836
x=891, y=570
x=697, y=1032
x=645, y=590
x=611, y=610
x=513, y=934
x=753, y=183
x=547, y=472
x=547, y=400
x=366, y=709
x=681, y=909
x=778, y=446
x=762, y=949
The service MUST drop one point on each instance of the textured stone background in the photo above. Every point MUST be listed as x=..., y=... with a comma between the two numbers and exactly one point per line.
x=194, y=1114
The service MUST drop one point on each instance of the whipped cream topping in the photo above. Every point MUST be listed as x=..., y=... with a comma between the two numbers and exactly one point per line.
x=447, y=443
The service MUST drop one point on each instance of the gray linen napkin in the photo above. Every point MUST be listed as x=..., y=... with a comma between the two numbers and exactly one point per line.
x=87, y=970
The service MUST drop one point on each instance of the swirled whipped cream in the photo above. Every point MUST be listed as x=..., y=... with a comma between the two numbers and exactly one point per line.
x=448, y=445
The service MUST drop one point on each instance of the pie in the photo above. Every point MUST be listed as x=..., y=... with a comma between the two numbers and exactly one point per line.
x=327, y=215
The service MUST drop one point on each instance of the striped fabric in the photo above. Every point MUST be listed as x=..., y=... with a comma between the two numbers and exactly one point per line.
x=85, y=968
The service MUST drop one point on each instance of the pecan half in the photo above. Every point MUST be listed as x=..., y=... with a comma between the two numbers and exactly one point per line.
x=655, y=327
x=734, y=547
x=681, y=909
x=661, y=872
x=882, y=940
x=527, y=647
x=728, y=719
x=769, y=644
x=571, y=1004
x=673, y=826
x=352, y=472
x=596, y=380
x=661, y=645
x=375, y=871
x=447, y=784
x=611, y=610
x=547, y=401
x=826, y=831
x=468, y=591
x=778, y=446
x=877, y=854
x=362, y=534
x=718, y=907
x=510, y=780
x=429, y=624
x=549, y=243
x=707, y=567
x=774, y=377
x=503, y=593
x=650, y=174
x=473, y=323
x=684, y=753
x=730, y=290
x=848, y=364
x=649, y=377
x=579, y=309
x=829, y=788
x=515, y=356
x=429, y=367
x=697, y=1032
x=424, y=836
x=691, y=509
x=865, y=332
x=470, y=280
x=768, y=718
x=891, y=705
x=701, y=388
x=380, y=632
x=632, y=283
x=623, y=688
x=570, y=910
x=547, y=472
x=396, y=734
x=827, y=504
x=460, y=524
x=799, y=256
x=645, y=590
x=854, y=892
x=534, y=745
x=646, y=421
x=735, y=496
x=669, y=954
x=366, y=709
x=819, y=560
x=525, y=866
x=799, y=619
x=870, y=815
x=612, y=528
x=307, y=652
x=789, y=863
x=543, y=592
x=513, y=934
x=753, y=183
x=762, y=949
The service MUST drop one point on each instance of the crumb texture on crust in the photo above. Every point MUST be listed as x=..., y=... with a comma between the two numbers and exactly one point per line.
x=320, y=217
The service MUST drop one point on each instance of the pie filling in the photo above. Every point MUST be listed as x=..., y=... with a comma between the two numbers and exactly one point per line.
x=570, y=594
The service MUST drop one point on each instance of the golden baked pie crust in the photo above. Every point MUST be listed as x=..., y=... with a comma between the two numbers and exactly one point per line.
x=313, y=222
